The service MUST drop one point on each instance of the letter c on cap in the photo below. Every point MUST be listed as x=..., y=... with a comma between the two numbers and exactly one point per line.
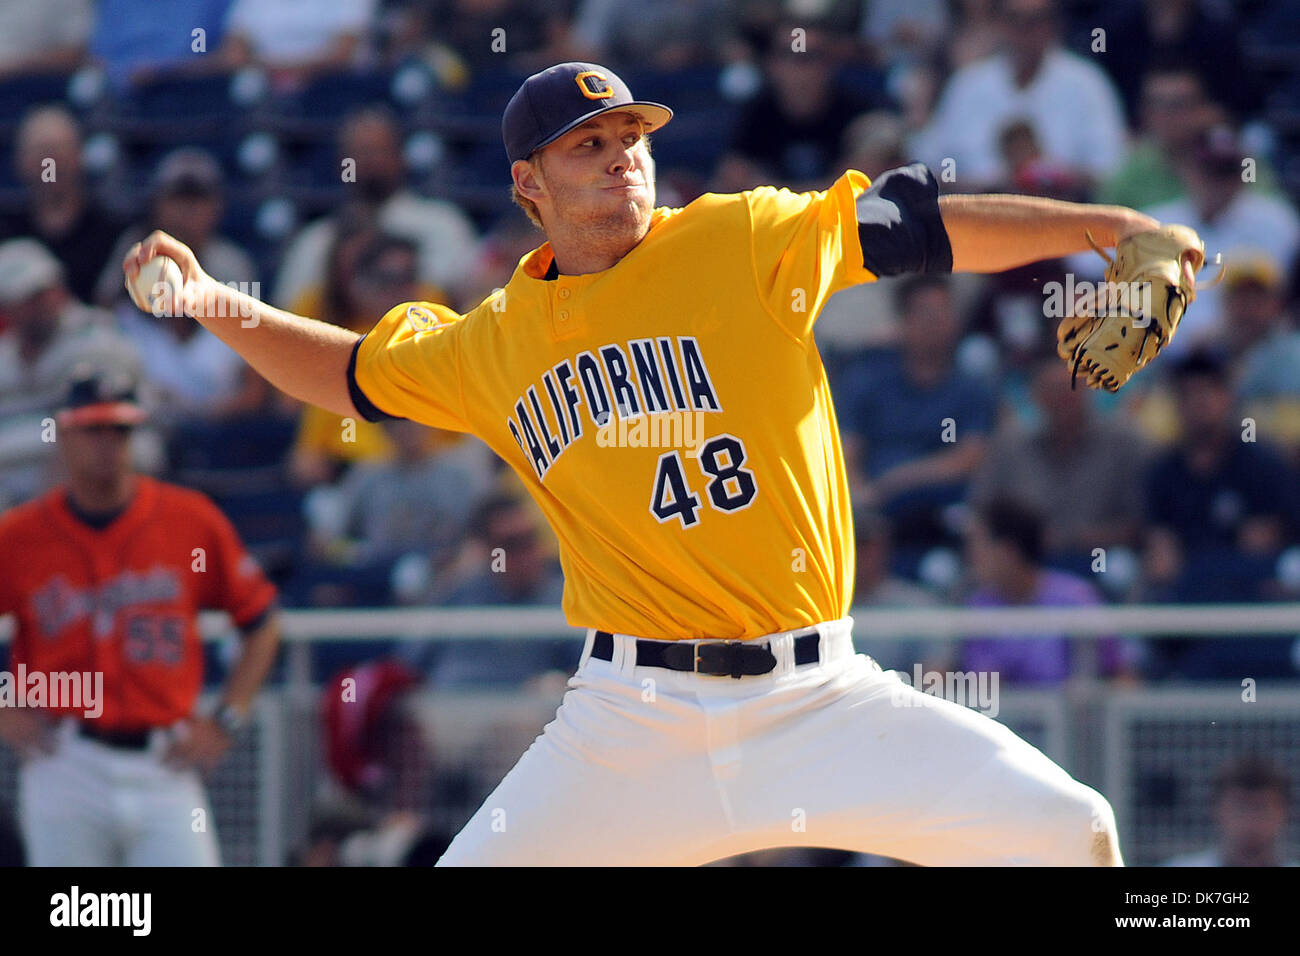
x=594, y=86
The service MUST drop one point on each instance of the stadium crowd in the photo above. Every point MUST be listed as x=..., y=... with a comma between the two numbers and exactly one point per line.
x=340, y=164
x=338, y=159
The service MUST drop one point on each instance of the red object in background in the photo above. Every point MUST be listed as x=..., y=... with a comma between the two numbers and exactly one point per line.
x=1043, y=178
x=352, y=748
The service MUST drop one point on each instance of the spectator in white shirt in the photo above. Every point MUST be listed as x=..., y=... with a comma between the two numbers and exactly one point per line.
x=196, y=373
x=1230, y=214
x=295, y=40
x=666, y=34
x=191, y=373
x=1069, y=102
x=444, y=236
x=902, y=31
x=45, y=37
x=48, y=335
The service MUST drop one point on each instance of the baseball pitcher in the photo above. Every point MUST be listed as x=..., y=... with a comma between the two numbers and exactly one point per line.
x=718, y=706
x=105, y=576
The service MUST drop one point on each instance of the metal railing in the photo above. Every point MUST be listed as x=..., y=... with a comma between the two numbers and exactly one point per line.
x=1152, y=749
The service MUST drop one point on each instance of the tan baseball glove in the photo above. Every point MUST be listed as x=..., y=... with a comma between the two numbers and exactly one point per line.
x=1149, y=285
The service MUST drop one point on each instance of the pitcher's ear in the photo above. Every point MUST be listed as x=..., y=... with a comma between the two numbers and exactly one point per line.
x=528, y=178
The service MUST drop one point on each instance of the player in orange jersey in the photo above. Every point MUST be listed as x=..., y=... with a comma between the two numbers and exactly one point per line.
x=105, y=576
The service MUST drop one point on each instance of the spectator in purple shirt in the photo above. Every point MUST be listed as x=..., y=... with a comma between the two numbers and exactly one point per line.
x=1005, y=544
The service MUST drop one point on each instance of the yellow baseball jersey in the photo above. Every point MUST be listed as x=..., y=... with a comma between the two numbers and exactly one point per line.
x=670, y=415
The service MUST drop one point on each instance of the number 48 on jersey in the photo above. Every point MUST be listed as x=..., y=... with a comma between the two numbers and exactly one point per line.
x=729, y=486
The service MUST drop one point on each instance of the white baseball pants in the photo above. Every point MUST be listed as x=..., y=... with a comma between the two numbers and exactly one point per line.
x=88, y=804
x=647, y=766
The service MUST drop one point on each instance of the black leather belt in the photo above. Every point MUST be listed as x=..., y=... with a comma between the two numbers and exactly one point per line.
x=714, y=658
x=118, y=739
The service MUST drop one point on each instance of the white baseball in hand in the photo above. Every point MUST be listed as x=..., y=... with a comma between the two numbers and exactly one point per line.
x=158, y=281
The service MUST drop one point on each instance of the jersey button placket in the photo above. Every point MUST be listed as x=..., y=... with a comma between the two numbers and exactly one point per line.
x=564, y=311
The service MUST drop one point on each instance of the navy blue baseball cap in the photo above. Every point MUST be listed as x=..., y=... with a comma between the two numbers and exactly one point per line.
x=554, y=101
x=100, y=396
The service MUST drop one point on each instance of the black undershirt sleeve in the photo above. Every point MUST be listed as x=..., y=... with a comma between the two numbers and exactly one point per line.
x=362, y=404
x=248, y=627
x=899, y=224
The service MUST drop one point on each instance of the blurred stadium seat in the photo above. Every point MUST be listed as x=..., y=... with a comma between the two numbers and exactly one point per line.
x=1226, y=575
x=199, y=449
x=18, y=94
x=315, y=584
x=325, y=101
x=1271, y=34
x=250, y=222
x=474, y=112
x=240, y=464
x=187, y=100
x=270, y=523
x=476, y=177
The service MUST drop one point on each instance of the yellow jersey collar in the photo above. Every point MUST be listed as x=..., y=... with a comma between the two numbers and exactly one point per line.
x=537, y=263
